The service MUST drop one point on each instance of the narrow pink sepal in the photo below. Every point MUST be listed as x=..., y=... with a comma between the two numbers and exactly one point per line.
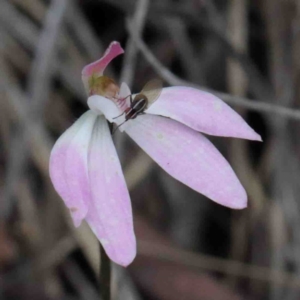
x=203, y=112
x=189, y=157
x=68, y=166
x=109, y=215
x=98, y=67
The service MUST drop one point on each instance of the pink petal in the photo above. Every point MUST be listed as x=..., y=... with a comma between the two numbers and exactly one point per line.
x=98, y=67
x=109, y=215
x=203, y=112
x=68, y=166
x=189, y=157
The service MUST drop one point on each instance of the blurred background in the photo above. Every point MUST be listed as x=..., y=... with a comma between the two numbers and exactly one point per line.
x=244, y=51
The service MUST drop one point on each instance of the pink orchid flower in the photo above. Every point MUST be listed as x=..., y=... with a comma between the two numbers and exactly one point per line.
x=86, y=172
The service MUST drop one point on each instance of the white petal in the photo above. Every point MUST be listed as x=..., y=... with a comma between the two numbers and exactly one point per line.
x=102, y=105
x=124, y=93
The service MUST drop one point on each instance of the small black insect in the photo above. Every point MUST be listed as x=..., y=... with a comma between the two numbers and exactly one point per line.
x=148, y=95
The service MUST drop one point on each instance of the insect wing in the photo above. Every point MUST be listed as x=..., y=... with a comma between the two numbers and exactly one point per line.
x=152, y=90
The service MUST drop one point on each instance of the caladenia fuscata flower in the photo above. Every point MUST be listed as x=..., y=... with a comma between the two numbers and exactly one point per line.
x=86, y=172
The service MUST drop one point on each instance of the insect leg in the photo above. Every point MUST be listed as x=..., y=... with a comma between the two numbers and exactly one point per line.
x=127, y=97
x=120, y=115
x=118, y=127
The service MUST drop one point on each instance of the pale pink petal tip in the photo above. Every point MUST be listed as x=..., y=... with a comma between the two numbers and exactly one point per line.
x=125, y=258
x=202, y=112
x=99, y=66
x=239, y=203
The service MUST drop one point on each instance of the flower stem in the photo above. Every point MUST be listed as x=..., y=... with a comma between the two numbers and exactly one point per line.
x=105, y=275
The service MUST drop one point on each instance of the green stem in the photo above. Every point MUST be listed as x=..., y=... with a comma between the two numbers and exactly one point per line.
x=105, y=275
